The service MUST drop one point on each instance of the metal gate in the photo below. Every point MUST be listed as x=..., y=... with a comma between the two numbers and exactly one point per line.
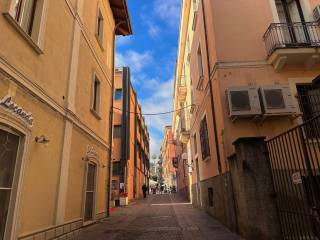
x=295, y=161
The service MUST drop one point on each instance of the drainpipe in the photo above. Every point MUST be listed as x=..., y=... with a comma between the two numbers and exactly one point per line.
x=111, y=120
x=211, y=91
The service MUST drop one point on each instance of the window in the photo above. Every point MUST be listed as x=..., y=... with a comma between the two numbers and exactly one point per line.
x=28, y=15
x=90, y=192
x=9, y=144
x=204, y=139
x=309, y=102
x=96, y=95
x=117, y=131
x=210, y=196
x=118, y=94
x=200, y=66
x=100, y=27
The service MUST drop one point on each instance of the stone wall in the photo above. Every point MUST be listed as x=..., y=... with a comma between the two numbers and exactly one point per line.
x=223, y=204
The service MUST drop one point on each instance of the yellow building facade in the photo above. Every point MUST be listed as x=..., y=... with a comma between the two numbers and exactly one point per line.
x=56, y=80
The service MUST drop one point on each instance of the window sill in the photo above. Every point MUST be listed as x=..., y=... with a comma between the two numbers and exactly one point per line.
x=18, y=28
x=99, y=42
x=96, y=114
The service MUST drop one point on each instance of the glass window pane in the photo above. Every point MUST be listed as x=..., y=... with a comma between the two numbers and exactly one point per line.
x=118, y=94
x=28, y=15
x=117, y=131
x=17, y=9
x=4, y=206
x=91, y=177
x=8, y=153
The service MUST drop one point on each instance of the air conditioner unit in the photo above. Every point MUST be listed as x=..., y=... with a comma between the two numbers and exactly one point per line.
x=277, y=100
x=243, y=102
x=316, y=13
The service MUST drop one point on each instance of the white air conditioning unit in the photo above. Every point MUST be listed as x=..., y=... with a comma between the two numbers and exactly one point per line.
x=243, y=102
x=316, y=13
x=277, y=100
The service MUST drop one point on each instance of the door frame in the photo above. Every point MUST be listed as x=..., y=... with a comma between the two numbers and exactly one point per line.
x=16, y=126
x=92, y=162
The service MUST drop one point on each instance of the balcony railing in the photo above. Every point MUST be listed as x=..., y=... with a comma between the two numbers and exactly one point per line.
x=295, y=35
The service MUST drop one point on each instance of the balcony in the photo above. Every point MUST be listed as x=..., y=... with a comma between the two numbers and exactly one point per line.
x=182, y=93
x=293, y=44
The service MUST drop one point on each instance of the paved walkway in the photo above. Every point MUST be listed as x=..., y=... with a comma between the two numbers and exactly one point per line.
x=159, y=217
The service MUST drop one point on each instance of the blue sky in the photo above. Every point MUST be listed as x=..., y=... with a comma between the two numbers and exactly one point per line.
x=151, y=54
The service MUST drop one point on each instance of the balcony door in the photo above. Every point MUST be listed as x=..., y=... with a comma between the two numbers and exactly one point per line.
x=9, y=144
x=292, y=22
x=90, y=193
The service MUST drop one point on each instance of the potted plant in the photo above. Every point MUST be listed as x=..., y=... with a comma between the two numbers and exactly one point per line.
x=123, y=199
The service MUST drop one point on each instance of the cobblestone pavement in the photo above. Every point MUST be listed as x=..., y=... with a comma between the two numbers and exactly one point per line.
x=159, y=217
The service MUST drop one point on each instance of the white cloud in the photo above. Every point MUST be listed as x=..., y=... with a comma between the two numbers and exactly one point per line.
x=168, y=11
x=135, y=60
x=155, y=144
x=153, y=30
x=160, y=101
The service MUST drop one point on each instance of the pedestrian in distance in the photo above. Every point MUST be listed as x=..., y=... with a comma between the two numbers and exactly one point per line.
x=144, y=190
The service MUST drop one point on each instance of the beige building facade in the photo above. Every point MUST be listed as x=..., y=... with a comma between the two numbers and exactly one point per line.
x=56, y=80
x=250, y=62
x=183, y=99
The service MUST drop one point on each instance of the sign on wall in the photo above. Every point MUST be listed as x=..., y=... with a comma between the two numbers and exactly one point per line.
x=15, y=109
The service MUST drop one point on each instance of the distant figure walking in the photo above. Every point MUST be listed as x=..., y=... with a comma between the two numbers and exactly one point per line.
x=144, y=190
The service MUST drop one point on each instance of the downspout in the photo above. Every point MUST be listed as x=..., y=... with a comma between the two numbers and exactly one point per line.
x=108, y=192
x=211, y=90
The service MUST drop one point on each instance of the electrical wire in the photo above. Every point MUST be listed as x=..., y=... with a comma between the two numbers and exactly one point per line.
x=155, y=114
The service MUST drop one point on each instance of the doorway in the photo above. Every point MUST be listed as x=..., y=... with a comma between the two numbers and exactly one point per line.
x=90, y=193
x=9, y=146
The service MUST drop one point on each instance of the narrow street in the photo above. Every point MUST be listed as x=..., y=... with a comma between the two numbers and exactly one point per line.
x=159, y=217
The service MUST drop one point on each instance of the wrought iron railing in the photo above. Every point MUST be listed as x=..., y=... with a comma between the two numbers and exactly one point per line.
x=295, y=35
x=295, y=165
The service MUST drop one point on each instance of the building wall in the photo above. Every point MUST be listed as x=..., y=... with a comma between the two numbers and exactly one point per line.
x=168, y=153
x=237, y=57
x=53, y=81
x=136, y=166
x=184, y=108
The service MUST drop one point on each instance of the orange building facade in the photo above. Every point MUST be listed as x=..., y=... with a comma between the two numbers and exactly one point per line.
x=168, y=159
x=130, y=168
x=249, y=62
